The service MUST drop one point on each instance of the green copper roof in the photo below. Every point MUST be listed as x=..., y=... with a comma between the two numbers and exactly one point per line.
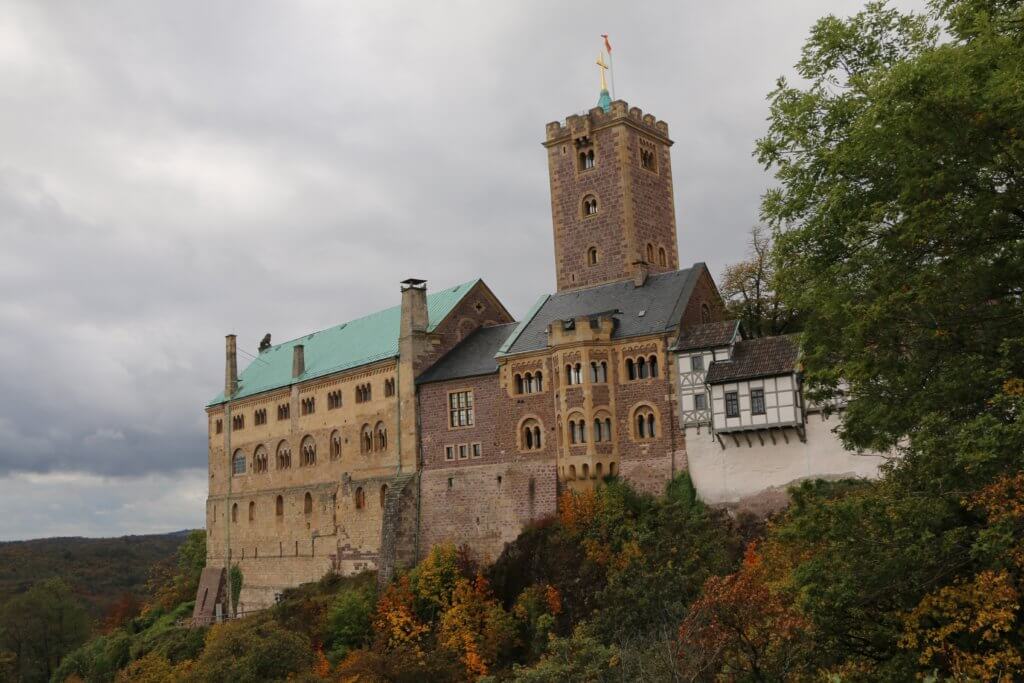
x=605, y=101
x=349, y=345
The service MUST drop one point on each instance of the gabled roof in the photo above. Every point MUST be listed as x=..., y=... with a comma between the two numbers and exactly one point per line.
x=708, y=335
x=349, y=345
x=764, y=357
x=472, y=357
x=654, y=308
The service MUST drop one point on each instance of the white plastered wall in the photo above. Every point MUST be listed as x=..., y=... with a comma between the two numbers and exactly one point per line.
x=737, y=473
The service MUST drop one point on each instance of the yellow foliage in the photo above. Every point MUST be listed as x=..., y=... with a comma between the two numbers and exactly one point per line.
x=577, y=510
x=965, y=628
x=395, y=622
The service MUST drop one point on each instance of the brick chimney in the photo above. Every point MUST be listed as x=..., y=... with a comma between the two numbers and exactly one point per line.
x=640, y=272
x=230, y=366
x=298, y=360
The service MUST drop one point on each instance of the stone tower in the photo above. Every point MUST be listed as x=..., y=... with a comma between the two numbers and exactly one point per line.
x=612, y=204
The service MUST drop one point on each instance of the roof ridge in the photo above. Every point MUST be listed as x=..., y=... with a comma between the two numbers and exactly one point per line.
x=468, y=284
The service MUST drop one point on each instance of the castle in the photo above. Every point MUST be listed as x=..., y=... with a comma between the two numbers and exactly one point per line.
x=444, y=419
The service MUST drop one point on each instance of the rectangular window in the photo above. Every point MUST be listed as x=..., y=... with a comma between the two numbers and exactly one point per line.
x=732, y=404
x=697, y=363
x=477, y=450
x=463, y=451
x=220, y=426
x=700, y=402
x=460, y=409
x=757, y=401
x=449, y=452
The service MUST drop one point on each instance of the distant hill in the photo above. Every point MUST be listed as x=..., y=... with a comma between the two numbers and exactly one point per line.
x=98, y=569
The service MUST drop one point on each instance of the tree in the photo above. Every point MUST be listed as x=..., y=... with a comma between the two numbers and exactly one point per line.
x=900, y=209
x=43, y=624
x=176, y=579
x=749, y=290
x=252, y=649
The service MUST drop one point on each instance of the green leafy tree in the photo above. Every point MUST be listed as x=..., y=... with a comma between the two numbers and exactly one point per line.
x=42, y=625
x=900, y=209
x=252, y=649
x=349, y=622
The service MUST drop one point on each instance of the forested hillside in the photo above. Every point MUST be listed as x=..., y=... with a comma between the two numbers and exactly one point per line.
x=99, y=570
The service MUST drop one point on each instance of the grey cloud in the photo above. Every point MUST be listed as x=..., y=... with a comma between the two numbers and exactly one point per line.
x=172, y=172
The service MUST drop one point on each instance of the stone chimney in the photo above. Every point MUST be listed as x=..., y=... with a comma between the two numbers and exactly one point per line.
x=230, y=366
x=414, y=307
x=640, y=271
x=413, y=346
x=298, y=360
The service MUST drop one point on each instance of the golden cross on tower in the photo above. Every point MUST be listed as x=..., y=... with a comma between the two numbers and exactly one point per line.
x=604, y=67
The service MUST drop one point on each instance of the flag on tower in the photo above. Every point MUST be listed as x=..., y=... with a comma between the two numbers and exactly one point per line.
x=607, y=45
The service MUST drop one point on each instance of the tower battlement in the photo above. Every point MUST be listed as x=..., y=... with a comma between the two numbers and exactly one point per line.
x=582, y=124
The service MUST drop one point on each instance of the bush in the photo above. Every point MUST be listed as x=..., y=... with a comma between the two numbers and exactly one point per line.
x=252, y=649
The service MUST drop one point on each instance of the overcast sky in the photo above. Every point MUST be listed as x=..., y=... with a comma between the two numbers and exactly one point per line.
x=172, y=172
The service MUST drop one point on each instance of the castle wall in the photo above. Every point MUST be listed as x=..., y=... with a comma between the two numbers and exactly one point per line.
x=484, y=502
x=753, y=470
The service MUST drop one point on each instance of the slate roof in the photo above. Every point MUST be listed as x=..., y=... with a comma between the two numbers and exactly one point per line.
x=654, y=308
x=764, y=357
x=358, y=342
x=708, y=335
x=472, y=357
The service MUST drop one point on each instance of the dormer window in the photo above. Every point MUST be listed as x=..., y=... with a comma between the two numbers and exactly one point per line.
x=589, y=205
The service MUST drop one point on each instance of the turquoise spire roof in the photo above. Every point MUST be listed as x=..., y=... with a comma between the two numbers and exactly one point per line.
x=605, y=100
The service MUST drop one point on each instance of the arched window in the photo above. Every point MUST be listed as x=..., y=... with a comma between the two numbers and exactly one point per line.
x=307, y=504
x=645, y=423
x=630, y=368
x=528, y=382
x=572, y=471
x=382, y=436
x=335, y=444
x=593, y=372
x=568, y=374
x=592, y=256
x=641, y=367
x=383, y=495
x=653, y=363
x=586, y=471
x=589, y=205
x=705, y=313
x=284, y=456
x=260, y=460
x=279, y=506
x=360, y=498
x=238, y=463
x=234, y=512
x=366, y=439
x=389, y=387
x=612, y=470
x=252, y=510
x=589, y=160
x=608, y=428
x=662, y=257
x=603, y=372
x=650, y=253
x=538, y=382
x=530, y=435
x=598, y=431
x=307, y=452
x=597, y=470
x=519, y=384
x=577, y=373
x=581, y=427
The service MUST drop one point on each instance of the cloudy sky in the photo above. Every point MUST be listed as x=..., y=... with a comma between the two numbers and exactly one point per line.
x=171, y=172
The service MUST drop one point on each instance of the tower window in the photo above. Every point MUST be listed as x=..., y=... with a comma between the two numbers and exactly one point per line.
x=586, y=159
x=650, y=253
x=648, y=156
x=238, y=463
x=592, y=256
x=589, y=205
x=662, y=257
